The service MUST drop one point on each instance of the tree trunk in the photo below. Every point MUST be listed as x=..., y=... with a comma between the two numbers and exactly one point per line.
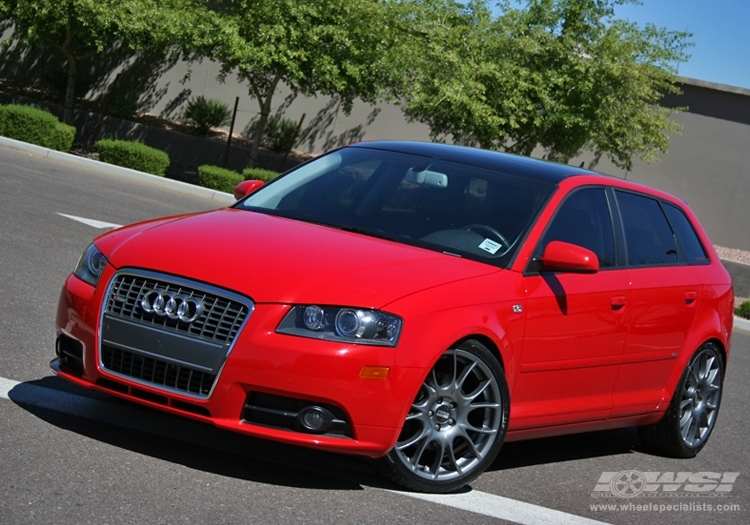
x=69, y=96
x=265, y=111
x=70, y=88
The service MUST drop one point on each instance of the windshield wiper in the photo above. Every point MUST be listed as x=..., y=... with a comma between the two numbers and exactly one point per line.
x=380, y=234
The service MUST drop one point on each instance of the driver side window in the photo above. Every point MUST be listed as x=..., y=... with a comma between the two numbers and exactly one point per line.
x=584, y=219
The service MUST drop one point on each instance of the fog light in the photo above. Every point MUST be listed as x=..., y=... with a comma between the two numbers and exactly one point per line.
x=315, y=419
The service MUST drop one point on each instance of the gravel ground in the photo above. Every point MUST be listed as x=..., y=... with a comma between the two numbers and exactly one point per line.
x=733, y=255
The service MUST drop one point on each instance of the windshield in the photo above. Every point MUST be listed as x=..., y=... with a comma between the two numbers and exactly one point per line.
x=450, y=207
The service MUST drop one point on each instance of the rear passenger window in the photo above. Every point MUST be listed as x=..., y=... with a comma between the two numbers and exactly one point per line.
x=648, y=236
x=584, y=219
x=686, y=237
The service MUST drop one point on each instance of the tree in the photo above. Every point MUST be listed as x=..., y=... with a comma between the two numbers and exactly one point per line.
x=81, y=28
x=328, y=47
x=563, y=75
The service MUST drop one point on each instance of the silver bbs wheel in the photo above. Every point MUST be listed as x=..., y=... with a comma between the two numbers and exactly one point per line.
x=701, y=395
x=455, y=425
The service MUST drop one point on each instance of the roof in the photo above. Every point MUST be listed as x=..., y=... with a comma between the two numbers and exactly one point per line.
x=552, y=172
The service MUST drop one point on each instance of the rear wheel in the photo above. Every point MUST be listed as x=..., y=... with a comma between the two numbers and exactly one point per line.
x=456, y=424
x=692, y=413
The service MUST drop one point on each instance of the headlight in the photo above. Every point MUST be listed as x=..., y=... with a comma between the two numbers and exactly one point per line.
x=335, y=323
x=90, y=265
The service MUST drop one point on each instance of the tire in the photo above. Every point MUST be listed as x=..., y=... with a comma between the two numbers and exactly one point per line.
x=692, y=413
x=456, y=424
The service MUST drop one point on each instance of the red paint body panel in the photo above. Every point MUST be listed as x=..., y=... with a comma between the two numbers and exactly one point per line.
x=247, y=248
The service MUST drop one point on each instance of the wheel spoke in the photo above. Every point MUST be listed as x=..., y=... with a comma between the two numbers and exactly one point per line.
x=472, y=446
x=438, y=461
x=415, y=459
x=465, y=374
x=452, y=459
x=423, y=434
x=478, y=391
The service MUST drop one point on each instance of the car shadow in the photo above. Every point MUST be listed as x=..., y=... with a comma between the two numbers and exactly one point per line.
x=189, y=443
x=556, y=449
x=201, y=446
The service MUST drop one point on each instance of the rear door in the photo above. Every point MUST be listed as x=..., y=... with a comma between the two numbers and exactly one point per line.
x=663, y=298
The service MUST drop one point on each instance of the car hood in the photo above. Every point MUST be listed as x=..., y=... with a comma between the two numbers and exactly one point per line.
x=277, y=260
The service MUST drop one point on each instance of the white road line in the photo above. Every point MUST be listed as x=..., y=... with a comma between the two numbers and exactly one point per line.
x=91, y=222
x=6, y=385
x=475, y=501
x=504, y=508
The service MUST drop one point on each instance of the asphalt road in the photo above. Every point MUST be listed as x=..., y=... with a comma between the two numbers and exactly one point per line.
x=69, y=456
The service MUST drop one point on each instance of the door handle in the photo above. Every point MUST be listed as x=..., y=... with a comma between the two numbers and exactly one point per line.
x=617, y=302
x=690, y=297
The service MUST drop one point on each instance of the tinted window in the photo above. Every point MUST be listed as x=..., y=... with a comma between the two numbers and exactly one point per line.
x=445, y=206
x=686, y=236
x=648, y=236
x=584, y=220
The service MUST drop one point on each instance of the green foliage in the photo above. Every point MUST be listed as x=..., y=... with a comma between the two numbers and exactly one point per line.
x=82, y=28
x=743, y=310
x=280, y=134
x=63, y=137
x=561, y=75
x=259, y=174
x=134, y=155
x=328, y=47
x=206, y=113
x=35, y=126
x=219, y=179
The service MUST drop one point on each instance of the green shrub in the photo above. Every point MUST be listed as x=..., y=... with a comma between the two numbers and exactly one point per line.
x=134, y=155
x=219, y=179
x=63, y=137
x=743, y=310
x=206, y=113
x=280, y=134
x=259, y=174
x=36, y=126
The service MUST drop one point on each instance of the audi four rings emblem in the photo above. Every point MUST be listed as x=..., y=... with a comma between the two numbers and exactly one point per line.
x=185, y=309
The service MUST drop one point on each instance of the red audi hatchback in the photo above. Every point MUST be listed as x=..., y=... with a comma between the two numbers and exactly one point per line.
x=416, y=303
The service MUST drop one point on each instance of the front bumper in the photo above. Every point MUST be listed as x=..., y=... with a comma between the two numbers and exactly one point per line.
x=287, y=370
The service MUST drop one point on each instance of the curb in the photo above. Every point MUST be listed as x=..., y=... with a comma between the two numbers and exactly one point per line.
x=741, y=324
x=111, y=169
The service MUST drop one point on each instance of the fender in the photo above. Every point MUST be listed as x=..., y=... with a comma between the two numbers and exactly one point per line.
x=706, y=327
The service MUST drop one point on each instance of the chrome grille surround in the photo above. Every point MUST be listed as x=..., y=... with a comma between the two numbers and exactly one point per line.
x=157, y=342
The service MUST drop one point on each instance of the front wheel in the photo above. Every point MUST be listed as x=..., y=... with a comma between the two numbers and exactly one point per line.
x=456, y=424
x=692, y=413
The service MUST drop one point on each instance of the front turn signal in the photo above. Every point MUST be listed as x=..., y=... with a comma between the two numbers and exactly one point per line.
x=374, y=372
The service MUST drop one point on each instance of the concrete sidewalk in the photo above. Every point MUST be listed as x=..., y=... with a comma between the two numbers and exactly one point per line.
x=111, y=169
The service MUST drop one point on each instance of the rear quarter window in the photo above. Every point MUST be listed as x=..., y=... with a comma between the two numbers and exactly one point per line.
x=686, y=237
x=648, y=235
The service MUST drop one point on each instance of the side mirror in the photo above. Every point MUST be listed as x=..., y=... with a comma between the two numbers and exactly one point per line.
x=246, y=187
x=564, y=256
